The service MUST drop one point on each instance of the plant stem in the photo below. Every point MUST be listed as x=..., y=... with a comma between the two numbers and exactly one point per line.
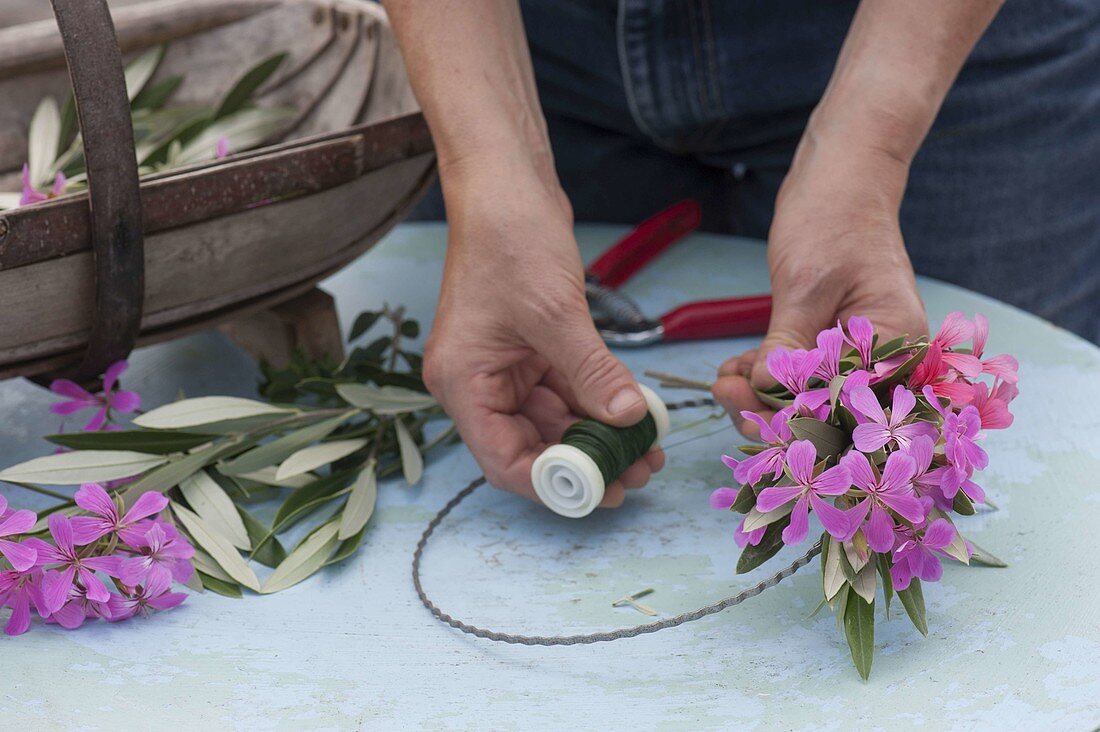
x=673, y=381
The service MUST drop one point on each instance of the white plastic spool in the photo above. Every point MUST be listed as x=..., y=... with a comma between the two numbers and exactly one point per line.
x=569, y=482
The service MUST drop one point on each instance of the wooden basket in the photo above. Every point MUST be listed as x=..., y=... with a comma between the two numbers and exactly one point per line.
x=86, y=277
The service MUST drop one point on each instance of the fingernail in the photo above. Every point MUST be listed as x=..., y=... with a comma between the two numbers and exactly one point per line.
x=624, y=401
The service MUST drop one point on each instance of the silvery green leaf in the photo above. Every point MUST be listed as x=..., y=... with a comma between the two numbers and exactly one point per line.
x=835, y=387
x=215, y=507
x=360, y=505
x=957, y=548
x=268, y=550
x=832, y=576
x=412, y=462
x=306, y=559
x=754, y=519
x=244, y=130
x=82, y=466
x=887, y=580
x=220, y=549
x=171, y=473
x=912, y=598
x=228, y=589
x=149, y=441
x=866, y=582
x=43, y=517
x=154, y=97
x=385, y=399
x=984, y=558
x=752, y=449
x=770, y=544
x=267, y=477
x=246, y=86
x=278, y=450
x=141, y=69
x=315, y=456
x=205, y=563
x=42, y=141
x=10, y=200
x=205, y=410
x=772, y=400
x=829, y=441
x=859, y=629
x=856, y=558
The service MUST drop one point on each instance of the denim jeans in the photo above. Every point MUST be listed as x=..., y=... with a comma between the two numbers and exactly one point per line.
x=652, y=101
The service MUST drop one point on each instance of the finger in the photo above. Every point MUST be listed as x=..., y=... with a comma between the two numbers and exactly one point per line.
x=604, y=388
x=739, y=365
x=613, y=496
x=636, y=475
x=550, y=415
x=735, y=394
x=655, y=459
x=797, y=317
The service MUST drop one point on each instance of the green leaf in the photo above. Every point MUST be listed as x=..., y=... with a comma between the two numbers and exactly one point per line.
x=889, y=348
x=360, y=505
x=268, y=550
x=412, y=462
x=279, y=450
x=147, y=441
x=866, y=583
x=244, y=130
x=83, y=466
x=205, y=410
x=746, y=500
x=215, y=507
x=154, y=97
x=68, y=122
x=141, y=70
x=752, y=449
x=312, y=496
x=410, y=329
x=306, y=559
x=755, y=519
x=363, y=323
x=315, y=456
x=835, y=387
x=170, y=475
x=218, y=547
x=887, y=581
x=347, y=547
x=829, y=441
x=241, y=93
x=205, y=563
x=963, y=505
x=42, y=141
x=859, y=629
x=984, y=558
x=267, y=477
x=772, y=400
x=832, y=574
x=912, y=598
x=385, y=399
x=229, y=589
x=770, y=544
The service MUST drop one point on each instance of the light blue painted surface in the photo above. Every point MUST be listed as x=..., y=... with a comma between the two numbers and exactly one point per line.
x=352, y=649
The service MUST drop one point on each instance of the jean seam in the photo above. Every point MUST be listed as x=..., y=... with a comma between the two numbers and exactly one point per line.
x=642, y=106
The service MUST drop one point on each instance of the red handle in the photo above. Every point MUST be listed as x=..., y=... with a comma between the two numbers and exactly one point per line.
x=654, y=235
x=718, y=318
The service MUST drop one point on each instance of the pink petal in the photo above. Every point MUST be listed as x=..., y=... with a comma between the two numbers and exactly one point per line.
x=183, y=569
x=167, y=601
x=66, y=408
x=20, y=619
x=730, y=462
x=879, y=530
x=93, y=498
x=18, y=522
x=869, y=436
x=766, y=432
x=125, y=402
x=981, y=333
x=750, y=470
x=866, y=403
x=801, y=456
x=905, y=505
x=150, y=502
x=833, y=482
x=902, y=404
x=62, y=531
x=107, y=564
x=900, y=576
x=800, y=523
x=721, y=498
x=110, y=376
x=859, y=468
x=72, y=390
x=1003, y=367
x=855, y=517
x=133, y=570
x=776, y=496
x=97, y=420
x=69, y=616
x=94, y=586
x=898, y=472
x=966, y=364
x=87, y=529
x=56, y=587
x=939, y=534
x=835, y=521
x=955, y=329
x=21, y=556
x=921, y=449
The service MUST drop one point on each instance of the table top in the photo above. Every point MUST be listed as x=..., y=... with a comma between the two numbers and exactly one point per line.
x=351, y=648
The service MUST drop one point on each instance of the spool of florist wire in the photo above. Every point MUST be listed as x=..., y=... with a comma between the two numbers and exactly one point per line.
x=570, y=477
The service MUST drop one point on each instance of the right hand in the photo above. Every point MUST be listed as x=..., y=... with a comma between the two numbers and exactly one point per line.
x=513, y=356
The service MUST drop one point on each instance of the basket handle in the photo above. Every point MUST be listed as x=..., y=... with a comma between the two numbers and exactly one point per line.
x=114, y=196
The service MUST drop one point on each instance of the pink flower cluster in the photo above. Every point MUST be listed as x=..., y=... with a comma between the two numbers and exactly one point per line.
x=62, y=580
x=110, y=401
x=896, y=450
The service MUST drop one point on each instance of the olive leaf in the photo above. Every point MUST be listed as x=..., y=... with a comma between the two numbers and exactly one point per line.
x=912, y=599
x=385, y=399
x=866, y=582
x=360, y=505
x=220, y=549
x=243, y=129
x=770, y=544
x=412, y=462
x=279, y=450
x=315, y=456
x=829, y=441
x=832, y=575
x=42, y=142
x=83, y=466
x=859, y=629
x=205, y=410
x=239, y=96
x=150, y=441
x=887, y=581
x=755, y=519
x=215, y=507
x=984, y=558
x=306, y=559
x=141, y=70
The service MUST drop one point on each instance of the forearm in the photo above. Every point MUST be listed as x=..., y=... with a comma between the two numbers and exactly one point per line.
x=470, y=68
x=894, y=71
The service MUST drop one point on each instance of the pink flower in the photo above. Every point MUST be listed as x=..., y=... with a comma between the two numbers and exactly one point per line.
x=777, y=434
x=892, y=491
x=916, y=556
x=861, y=336
x=221, y=148
x=926, y=479
x=17, y=591
x=32, y=195
x=161, y=556
x=153, y=595
x=875, y=430
x=956, y=329
x=961, y=433
x=57, y=585
x=793, y=368
x=78, y=608
x=993, y=406
x=742, y=539
x=110, y=400
x=808, y=491
x=13, y=523
x=93, y=499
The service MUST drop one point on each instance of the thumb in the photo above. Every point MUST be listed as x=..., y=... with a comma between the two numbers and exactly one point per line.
x=603, y=387
x=795, y=323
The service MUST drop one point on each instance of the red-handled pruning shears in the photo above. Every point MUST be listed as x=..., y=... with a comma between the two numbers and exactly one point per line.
x=620, y=320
